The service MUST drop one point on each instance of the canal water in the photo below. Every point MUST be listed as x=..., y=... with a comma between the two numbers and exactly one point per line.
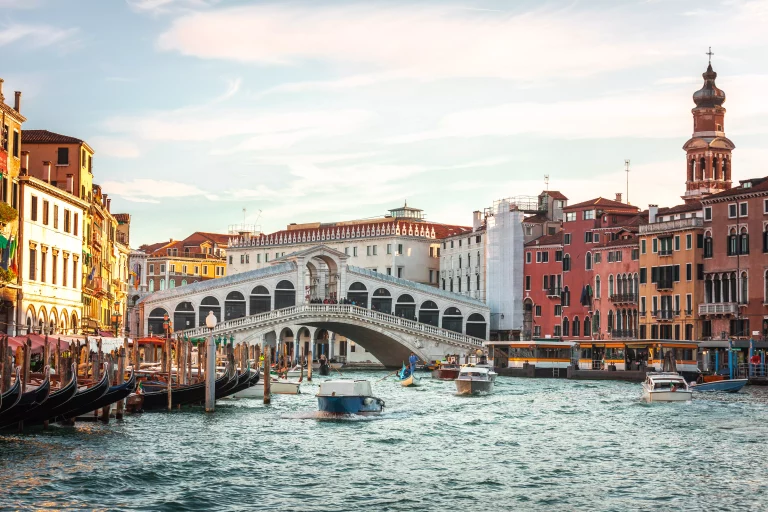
x=531, y=445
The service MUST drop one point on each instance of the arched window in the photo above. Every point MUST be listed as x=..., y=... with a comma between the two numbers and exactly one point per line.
x=285, y=295
x=765, y=239
x=597, y=286
x=596, y=322
x=183, y=282
x=184, y=317
x=588, y=261
x=609, y=325
x=155, y=321
x=566, y=298
x=715, y=174
x=744, y=241
x=405, y=307
x=476, y=325
x=171, y=283
x=765, y=287
x=566, y=263
x=587, y=328
x=234, y=306
x=209, y=304
x=708, y=244
x=744, y=299
x=576, y=326
x=452, y=319
x=358, y=294
x=260, y=300
x=75, y=325
x=610, y=286
x=430, y=314
x=703, y=168
x=566, y=327
x=162, y=283
x=733, y=246
x=151, y=285
x=382, y=301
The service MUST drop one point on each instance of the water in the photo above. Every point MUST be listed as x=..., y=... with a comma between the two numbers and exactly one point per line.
x=532, y=445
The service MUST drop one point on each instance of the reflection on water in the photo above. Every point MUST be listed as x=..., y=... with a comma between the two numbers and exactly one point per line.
x=532, y=444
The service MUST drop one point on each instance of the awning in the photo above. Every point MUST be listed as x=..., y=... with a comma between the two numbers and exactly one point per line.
x=108, y=334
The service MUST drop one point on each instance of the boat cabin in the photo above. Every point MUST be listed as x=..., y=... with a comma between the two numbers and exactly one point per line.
x=345, y=388
x=544, y=353
x=638, y=354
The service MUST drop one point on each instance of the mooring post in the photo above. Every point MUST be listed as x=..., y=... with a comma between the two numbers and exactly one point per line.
x=210, y=374
x=267, y=376
x=26, y=358
x=309, y=367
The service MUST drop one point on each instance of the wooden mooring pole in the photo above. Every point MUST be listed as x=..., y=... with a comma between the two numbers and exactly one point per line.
x=267, y=376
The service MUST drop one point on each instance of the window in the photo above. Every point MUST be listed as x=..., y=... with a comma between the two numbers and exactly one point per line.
x=708, y=213
x=642, y=246
x=635, y=254
x=598, y=258
x=655, y=245
x=54, y=268
x=33, y=209
x=570, y=216
x=162, y=268
x=399, y=271
x=431, y=275
x=708, y=246
x=642, y=305
x=242, y=259
x=528, y=257
x=400, y=248
x=742, y=209
x=205, y=269
x=677, y=242
x=230, y=259
x=567, y=239
x=62, y=156
x=689, y=304
x=451, y=244
x=688, y=241
x=538, y=310
x=589, y=214
x=354, y=251
x=43, y=258
x=689, y=271
x=643, y=275
x=183, y=269
x=588, y=261
x=676, y=308
x=732, y=211
x=558, y=310
x=55, y=216
x=197, y=270
x=389, y=273
x=527, y=283
x=66, y=222
x=566, y=327
x=346, y=251
x=566, y=263
x=587, y=236
x=477, y=239
x=151, y=268
x=558, y=255
x=32, y=264
x=173, y=268
x=368, y=251
x=545, y=257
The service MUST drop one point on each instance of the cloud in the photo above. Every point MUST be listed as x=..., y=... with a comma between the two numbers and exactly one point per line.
x=37, y=36
x=115, y=147
x=167, y=6
x=423, y=42
x=19, y=4
x=152, y=191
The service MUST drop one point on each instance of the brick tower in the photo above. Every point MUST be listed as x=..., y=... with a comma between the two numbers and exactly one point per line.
x=708, y=151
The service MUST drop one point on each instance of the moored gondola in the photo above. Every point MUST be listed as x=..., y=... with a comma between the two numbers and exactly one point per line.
x=231, y=383
x=82, y=398
x=27, y=401
x=114, y=394
x=184, y=395
x=13, y=395
x=243, y=382
x=43, y=411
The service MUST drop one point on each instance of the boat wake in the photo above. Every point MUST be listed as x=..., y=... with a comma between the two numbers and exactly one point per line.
x=326, y=416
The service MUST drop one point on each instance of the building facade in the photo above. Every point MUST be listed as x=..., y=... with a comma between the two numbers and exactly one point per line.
x=543, y=285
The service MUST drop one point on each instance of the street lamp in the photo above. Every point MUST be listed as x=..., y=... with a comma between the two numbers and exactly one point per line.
x=116, y=316
x=210, y=365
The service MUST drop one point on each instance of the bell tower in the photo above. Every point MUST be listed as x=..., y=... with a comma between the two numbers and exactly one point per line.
x=708, y=151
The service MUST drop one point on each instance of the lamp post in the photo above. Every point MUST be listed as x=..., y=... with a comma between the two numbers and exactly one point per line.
x=116, y=316
x=210, y=362
x=167, y=327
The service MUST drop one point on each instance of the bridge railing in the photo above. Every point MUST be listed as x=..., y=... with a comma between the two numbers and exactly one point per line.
x=344, y=309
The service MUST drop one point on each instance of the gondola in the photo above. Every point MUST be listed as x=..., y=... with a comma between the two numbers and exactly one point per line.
x=13, y=395
x=325, y=368
x=226, y=390
x=81, y=399
x=243, y=382
x=56, y=399
x=114, y=394
x=27, y=401
x=158, y=400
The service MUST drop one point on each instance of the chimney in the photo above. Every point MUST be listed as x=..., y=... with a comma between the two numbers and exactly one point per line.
x=1, y=90
x=109, y=205
x=70, y=184
x=653, y=209
x=477, y=220
x=24, y=163
x=47, y=165
x=104, y=200
x=17, y=102
x=618, y=197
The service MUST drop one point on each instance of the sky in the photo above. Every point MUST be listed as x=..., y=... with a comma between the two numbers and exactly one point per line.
x=209, y=113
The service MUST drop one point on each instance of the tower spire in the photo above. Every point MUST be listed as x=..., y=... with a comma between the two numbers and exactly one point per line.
x=710, y=54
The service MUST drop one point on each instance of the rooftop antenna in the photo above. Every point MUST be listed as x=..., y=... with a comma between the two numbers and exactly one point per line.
x=546, y=182
x=710, y=53
x=626, y=169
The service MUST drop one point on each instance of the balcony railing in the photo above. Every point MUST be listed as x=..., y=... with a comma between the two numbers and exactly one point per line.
x=671, y=225
x=663, y=314
x=719, y=308
x=665, y=252
x=666, y=284
x=624, y=298
x=624, y=334
x=554, y=291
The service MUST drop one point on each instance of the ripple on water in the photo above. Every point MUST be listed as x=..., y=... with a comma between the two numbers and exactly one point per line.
x=534, y=443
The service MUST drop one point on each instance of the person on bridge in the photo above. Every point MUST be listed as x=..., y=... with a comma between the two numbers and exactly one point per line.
x=412, y=361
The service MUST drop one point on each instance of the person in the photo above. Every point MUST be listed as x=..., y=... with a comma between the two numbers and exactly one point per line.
x=412, y=361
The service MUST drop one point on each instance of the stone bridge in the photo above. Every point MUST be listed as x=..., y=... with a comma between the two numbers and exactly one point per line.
x=273, y=305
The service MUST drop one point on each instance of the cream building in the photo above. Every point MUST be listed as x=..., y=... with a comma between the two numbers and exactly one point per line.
x=51, y=231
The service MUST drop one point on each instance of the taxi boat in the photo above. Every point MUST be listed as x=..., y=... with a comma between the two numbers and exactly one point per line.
x=348, y=397
x=475, y=380
x=666, y=387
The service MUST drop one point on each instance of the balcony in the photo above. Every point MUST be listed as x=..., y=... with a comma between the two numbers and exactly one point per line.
x=665, y=284
x=624, y=334
x=623, y=298
x=98, y=285
x=96, y=240
x=663, y=315
x=671, y=225
x=554, y=291
x=719, y=308
x=665, y=252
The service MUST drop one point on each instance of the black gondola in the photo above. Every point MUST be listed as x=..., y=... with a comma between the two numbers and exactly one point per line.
x=114, y=394
x=243, y=382
x=56, y=399
x=226, y=390
x=325, y=368
x=13, y=395
x=81, y=399
x=27, y=401
x=195, y=393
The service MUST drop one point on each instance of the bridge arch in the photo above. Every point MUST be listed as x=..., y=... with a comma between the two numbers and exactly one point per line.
x=476, y=325
x=155, y=321
x=382, y=301
x=358, y=293
x=429, y=313
x=405, y=307
x=234, y=305
x=453, y=320
x=207, y=305
x=285, y=294
x=184, y=316
x=260, y=300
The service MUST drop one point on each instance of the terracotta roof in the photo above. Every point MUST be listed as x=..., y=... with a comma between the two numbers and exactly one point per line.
x=355, y=231
x=123, y=217
x=46, y=137
x=536, y=219
x=554, y=194
x=556, y=239
x=681, y=208
x=756, y=185
x=602, y=202
x=632, y=240
x=198, y=237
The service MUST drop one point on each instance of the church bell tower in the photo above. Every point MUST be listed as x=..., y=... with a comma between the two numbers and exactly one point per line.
x=708, y=151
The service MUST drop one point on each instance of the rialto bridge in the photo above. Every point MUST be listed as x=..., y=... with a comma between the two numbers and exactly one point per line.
x=388, y=316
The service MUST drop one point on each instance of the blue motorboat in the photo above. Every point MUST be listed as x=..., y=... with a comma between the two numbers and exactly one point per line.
x=724, y=386
x=348, y=397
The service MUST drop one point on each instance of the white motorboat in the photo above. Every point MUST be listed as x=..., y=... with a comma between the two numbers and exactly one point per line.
x=296, y=372
x=474, y=380
x=276, y=387
x=666, y=387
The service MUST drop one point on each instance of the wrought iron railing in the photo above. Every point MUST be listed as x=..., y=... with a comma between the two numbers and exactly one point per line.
x=626, y=298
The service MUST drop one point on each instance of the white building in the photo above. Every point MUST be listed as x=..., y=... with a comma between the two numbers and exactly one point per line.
x=50, y=255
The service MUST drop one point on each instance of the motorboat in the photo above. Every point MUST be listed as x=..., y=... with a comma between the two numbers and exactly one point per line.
x=446, y=371
x=724, y=386
x=296, y=372
x=475, y=380
x=348, y=397
x=666, y=387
